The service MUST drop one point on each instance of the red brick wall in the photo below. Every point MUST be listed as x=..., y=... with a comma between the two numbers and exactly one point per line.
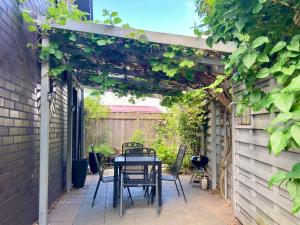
x=19, y=122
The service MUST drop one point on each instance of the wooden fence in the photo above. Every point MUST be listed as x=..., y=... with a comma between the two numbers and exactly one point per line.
x=119, y=127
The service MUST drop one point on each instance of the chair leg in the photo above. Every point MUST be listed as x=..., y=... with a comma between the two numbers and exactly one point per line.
x=96, y=191
x=192, y=177
x=182, y=189
x=156, y=200
x=177, y=188
x=129, y=193
x=121, y=197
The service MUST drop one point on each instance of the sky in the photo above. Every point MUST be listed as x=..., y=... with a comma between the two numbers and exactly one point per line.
x=167, y=16
x=110, y=98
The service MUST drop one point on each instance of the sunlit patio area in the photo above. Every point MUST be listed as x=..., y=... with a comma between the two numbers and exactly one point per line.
x=202, y=207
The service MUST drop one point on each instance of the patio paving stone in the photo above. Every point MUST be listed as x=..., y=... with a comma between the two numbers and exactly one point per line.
x=203, y=208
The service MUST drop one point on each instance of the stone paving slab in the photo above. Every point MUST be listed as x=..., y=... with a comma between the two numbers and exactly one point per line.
x=203, y=208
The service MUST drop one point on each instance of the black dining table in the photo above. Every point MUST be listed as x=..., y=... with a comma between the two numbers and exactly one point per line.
x=140, y=161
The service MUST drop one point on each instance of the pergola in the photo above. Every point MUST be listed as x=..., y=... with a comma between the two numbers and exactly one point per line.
x=124, y=62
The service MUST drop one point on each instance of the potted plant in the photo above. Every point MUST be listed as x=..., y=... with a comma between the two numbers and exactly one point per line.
x=105, y=149
x=79, y=172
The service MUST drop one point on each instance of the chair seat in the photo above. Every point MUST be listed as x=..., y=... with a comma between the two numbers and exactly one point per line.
x=168, y=177
x=139, y=182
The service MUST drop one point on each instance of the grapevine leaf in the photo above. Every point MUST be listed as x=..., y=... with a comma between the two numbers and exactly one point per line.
x=169, y=55
x=186, y=63
x=117, y=20
x=73, y=37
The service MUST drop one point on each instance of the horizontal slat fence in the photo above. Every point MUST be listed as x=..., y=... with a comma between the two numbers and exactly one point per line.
x=256, y=203
x=119, y=127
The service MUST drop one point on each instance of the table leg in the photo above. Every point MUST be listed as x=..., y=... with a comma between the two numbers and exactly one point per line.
x=115, y=195
x=159, y=185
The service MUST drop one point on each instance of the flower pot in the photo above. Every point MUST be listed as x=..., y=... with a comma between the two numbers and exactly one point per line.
x=93, y=163
x=79, y=172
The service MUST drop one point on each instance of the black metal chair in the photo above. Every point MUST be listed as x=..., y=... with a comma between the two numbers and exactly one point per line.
x=130, y=145
x=176, y=170
x=132, y=178
x=105, y=179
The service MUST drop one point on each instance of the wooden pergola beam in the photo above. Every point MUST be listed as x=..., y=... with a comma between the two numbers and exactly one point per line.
x=154, y=37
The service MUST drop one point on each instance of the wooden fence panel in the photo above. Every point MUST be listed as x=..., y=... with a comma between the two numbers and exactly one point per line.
x=118, y=128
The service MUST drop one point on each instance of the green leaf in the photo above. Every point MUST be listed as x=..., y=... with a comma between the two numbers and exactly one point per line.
x=294, y=46
x=288, y=71
x=279, y=46
x=169, y=55
x=283, y=101
x=27, y=17
x=249, y=59
x=294, y=85
x=58, y=54
x=295, y=172
x=259, y=41
x=114, y=14
x=101, y=42
x=263, y=57
x=293, y=188
x=295, y=132
x=32, y=28
x=282, y=117
x=278, y=141
x=171, y=72
x=264, y=72
x=277, y=178
x=117, y=20
x=186, y=63
x=240, y=24
x=72, y=37
x=257, y=8
x=238, y=52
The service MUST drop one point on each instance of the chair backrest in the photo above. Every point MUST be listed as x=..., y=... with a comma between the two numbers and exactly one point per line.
x=99, y=158
x=179, y=159
x=130, y=145
x=137, y=171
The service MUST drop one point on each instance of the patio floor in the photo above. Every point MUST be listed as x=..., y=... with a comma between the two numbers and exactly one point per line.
x=203, y=208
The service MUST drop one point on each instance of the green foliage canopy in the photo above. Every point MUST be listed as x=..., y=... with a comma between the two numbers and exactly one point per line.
x=268, y=40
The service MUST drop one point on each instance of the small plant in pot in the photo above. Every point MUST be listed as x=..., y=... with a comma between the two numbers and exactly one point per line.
x=105, y=149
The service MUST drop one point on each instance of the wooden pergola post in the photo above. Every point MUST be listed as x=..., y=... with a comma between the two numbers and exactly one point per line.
x=213, y=157
x=44, y=139
x=69, y=135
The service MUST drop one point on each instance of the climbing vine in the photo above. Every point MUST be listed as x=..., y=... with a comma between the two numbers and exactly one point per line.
x=268, y=47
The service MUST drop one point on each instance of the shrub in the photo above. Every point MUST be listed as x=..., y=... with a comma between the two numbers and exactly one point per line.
x=138, y=136
x=104, y=148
